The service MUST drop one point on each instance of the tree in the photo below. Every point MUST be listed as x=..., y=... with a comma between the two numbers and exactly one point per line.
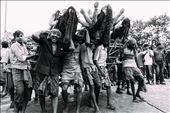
x=154, y=29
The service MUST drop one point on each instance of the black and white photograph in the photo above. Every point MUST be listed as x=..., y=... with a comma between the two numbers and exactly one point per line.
x=85, y=56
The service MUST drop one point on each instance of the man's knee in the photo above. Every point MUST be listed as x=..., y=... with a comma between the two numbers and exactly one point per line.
x=20, y=89
x=79, y=90
x=64, y=87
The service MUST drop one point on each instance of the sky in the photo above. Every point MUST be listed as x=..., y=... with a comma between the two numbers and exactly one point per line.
x=33, y=16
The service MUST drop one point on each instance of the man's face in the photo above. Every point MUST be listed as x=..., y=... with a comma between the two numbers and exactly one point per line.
x=29, y=45
x=20, y=38
x=132, y=46
x=54, y=36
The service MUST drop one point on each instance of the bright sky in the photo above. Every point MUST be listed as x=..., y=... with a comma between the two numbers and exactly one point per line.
x=32, y=16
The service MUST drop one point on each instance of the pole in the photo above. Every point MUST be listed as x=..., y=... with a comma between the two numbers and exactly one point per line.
x=5, y=16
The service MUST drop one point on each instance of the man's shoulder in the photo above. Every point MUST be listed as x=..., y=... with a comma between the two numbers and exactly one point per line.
x=13, y=46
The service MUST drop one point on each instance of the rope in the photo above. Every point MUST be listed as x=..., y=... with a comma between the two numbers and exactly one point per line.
x=154, y=106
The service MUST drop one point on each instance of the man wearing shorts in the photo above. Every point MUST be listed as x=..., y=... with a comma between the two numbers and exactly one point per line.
x=90, y=70
x=131, y=71
x=48, y=66
x=72, y=75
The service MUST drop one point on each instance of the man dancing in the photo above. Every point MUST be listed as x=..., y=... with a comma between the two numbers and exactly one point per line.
x=48, y=66
x=131, y=70
x=72, y=75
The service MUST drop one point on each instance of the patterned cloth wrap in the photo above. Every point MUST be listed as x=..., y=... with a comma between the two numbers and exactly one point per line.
x=105, y=80
x=47, y=85
x=71, y=68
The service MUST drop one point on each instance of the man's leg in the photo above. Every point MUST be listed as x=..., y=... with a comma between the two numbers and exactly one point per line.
x=140, y=85
x=169, y=70
x=93, y=96
x=139, y=77
x=79, y=98
x=119, y=77
x=147, y=74
x=150, y=73
x=133, y=90
x=54, y=100
x=97, y=91
x=157, y=74
x=19, y=89
x=109, y=104
x=128, y=85
x=18, y=96
x=118, y=87
x=65, y=97
x=27, y=97
x=42, y=103
x=161, y=67
x=10, y=86
x=93, y=78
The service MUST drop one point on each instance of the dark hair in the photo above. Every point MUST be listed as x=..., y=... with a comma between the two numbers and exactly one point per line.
x=121, y=32
x=5, y=44
x=102, y=26
x=106, y=26
x=17, y=33
x=158, y=44
x=146, y=45
x=67, y=23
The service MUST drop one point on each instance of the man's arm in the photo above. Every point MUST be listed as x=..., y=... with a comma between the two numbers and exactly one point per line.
x=135, y=53
x=37, y=36
x=96, y=57
x=18, y=54
x=96, y=4
x=118, y=17
x=88, y=20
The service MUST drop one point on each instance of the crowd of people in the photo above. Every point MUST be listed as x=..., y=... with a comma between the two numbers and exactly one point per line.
x=64, y=56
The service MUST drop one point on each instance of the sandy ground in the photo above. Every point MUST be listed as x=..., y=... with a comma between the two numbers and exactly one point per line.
x=157, y=101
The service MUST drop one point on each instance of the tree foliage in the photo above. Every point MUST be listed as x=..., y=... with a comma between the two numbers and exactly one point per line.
x=154, y=29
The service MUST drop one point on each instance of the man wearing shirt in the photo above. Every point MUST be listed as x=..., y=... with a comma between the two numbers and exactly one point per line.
x=21, y=75
x=100, y=58
x=3, y=62
x=90, y=70
x=48, y=66
x=131, y=68
x=148, y=62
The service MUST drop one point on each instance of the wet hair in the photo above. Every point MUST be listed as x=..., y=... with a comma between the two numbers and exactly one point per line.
x=5, y=44
x=106, y=26
x=103, y=25
x=158, y=44
x=146, y=45
x=67, y=24
x=17, y=33
x=121, y=32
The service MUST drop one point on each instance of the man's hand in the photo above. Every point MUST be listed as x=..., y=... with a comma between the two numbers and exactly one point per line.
x=102, y=74
x=5, y=69
x=122, y=11
x=82, y=12
x=96, y=4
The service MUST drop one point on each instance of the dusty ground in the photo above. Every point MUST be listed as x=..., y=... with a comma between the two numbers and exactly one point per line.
x=157, y=101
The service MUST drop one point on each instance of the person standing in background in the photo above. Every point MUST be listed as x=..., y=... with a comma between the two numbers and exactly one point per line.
x=21, y=75
x=159, y=60
x=148, y=62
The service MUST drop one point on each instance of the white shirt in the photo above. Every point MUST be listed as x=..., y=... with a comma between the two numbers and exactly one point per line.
x=86, y=56
x=101, y=55
x=148, y=57
x=4, y=55
x=18, y=54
